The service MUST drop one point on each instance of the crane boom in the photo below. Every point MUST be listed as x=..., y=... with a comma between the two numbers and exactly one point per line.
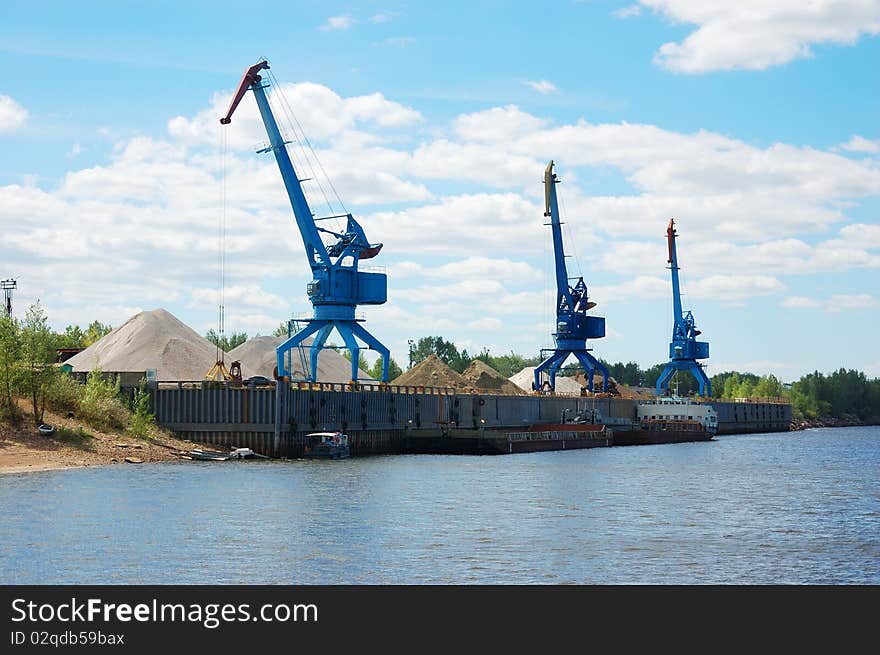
x=316, y=252
x=551, y=209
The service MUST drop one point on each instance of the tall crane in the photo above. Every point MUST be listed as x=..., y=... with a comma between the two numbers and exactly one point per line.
x=8, y=287
x=684, y=349
x=337, y=286
x=573, y=326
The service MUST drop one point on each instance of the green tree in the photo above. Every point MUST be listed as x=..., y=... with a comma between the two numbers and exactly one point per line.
x=95, y=331
x=281, y=330
x=10, y=351
x=38, y=354
x=508, y=364
x=445, y=351
x=226, y=343
x=362, y=361
x=394, y=370
x=72, y=337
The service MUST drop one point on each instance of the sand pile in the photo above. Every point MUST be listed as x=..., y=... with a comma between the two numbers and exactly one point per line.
x=613, y=387
x=154, y=339
x=432, y=372
x=486, y=378
x=257, y=355
x=526, y=377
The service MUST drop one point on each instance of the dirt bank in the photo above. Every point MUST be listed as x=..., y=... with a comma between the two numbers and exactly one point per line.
x=24, y=449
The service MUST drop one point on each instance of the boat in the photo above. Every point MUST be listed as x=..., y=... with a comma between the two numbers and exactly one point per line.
x=245, y=453
x=208, y=455
x=46, y=429
x=326, y=445
x=667, y=420
x=657, y=421
x=219, y=456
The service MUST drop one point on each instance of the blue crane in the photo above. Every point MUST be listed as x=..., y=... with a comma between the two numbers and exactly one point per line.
x=573, y=326
x=684, y=349
x=337, y=286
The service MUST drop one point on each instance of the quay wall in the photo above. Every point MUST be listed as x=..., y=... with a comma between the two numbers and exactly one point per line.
x=393, y=421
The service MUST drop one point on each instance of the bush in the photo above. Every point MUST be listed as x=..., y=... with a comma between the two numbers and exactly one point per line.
x=100, y=405
x=142, y=422
x=63, y=394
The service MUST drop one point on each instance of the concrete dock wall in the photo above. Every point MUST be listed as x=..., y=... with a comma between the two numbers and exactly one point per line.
x=381, y=421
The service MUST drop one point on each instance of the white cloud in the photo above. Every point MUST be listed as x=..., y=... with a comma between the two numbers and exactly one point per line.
x=861, y=144
x=338, y=23
x=399, y=41
x=496, y=124
x=835, y=303
x=542, y=86
x=322, y=113
x=626, y=12
x=236, y=295
x=382, y=17
x=755, y=35
x=733, y=288
x=459, y=209
x=12, y=115
x=800, y=302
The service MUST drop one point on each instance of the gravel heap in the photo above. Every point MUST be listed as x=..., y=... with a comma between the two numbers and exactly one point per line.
x=257, y=355
x=432, y=372
x=564, y=385
x=486, y=378
x=154, y=339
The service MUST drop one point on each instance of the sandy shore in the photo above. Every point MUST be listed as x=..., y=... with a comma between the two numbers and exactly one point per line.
x=24, y=449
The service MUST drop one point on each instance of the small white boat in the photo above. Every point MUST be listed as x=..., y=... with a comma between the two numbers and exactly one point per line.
x=46, y=429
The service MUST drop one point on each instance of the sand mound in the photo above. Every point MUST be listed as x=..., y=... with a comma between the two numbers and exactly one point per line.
x=486, y=378
x=154, y=339
x=258, y=356
x=613, y=387
x=432, y=372
x=526, y=377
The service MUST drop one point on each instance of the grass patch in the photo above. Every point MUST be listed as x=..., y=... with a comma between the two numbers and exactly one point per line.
x=78, y=437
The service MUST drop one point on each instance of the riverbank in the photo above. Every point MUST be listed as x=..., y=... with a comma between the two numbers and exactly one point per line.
x=24, y=449
x=807, y=424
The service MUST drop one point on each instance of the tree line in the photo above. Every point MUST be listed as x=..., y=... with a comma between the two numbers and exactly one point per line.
x=29, y=370
x=841, y=394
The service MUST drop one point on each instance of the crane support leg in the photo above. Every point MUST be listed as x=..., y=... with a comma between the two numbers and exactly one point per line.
x=592, y=364
x=361, y=332
x=693, y=368
x=353, y=347
x=551, y=365
x=320, y=339
x=292, y=343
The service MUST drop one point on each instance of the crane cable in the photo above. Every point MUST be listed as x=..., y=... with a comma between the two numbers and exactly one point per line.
x=221, y=250
x=307, y=148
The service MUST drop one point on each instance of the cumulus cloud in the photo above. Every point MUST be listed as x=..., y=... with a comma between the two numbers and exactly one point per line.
x=460, y=211
x=833, y=304
x=12, y=115
x=755, y=35
x=626, y=12
x=861, y=144
x=541, y=86
x=337, y=23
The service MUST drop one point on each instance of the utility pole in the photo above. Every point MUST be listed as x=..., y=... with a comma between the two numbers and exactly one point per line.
x=8, y=287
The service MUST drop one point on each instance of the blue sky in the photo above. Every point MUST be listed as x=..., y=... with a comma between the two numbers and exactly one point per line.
x=754, y=124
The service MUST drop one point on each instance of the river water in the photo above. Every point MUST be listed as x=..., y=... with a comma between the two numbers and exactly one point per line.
x=801, y=507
